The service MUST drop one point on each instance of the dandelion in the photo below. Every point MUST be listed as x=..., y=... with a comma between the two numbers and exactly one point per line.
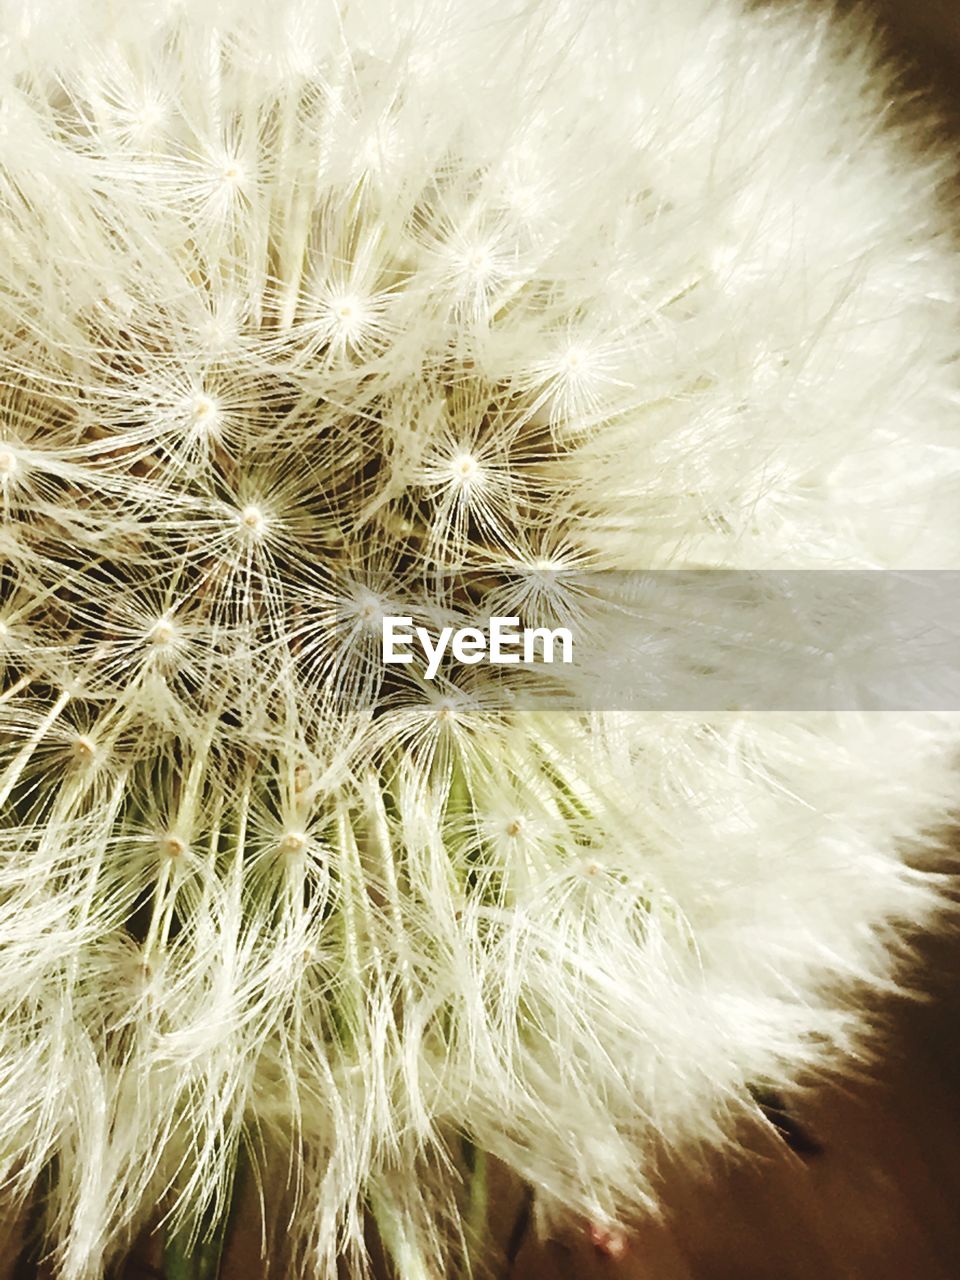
x=315, y=312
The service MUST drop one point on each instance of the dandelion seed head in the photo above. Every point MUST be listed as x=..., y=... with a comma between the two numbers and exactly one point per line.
x=307, y=309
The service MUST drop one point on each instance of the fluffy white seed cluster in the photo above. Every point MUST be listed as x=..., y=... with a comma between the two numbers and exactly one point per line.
x=302, y=299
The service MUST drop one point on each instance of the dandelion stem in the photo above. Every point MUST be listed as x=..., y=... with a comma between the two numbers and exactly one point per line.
x=476, y=1215
x=187, y=1258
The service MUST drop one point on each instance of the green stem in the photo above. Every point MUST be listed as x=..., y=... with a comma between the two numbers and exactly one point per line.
x=478, y=1194
x=185, y=1257
x=198, y=1261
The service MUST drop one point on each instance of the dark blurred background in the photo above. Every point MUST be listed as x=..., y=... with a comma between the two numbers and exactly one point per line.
x=928, y=31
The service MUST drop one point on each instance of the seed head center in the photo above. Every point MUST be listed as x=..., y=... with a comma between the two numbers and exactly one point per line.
x=465, y=468
x=252, y=518
x=163, y=632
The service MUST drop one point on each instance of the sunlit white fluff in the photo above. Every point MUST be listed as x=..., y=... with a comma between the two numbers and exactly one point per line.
x=297, y=296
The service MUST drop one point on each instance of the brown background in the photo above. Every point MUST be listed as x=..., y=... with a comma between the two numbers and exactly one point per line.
x=929, y=32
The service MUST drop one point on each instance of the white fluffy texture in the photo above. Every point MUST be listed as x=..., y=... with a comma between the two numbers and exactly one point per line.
x=297, y=296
